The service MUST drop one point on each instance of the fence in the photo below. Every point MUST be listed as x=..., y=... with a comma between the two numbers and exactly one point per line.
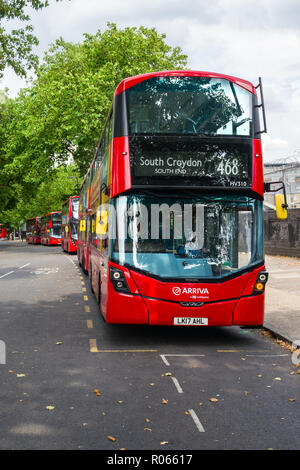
x=282, y=237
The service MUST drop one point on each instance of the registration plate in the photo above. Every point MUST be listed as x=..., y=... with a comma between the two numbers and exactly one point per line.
x=190, y=321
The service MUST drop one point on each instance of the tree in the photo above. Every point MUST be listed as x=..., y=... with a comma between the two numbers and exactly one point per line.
x=16, y=46
x=67, y=105
x=60, y=117
x=61, y=183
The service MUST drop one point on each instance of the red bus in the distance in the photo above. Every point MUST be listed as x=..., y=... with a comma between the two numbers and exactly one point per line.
x=172, y=206
x=3, y=232
x=33, y=230
x=69, y=225
x=51, y=229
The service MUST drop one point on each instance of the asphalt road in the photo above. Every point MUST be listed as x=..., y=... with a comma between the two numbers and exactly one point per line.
x=73, y=382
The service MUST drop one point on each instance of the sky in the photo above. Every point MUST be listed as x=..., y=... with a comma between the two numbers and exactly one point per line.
x=247, y=39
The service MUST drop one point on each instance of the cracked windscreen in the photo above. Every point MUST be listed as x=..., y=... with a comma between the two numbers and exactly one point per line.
x=205, y=236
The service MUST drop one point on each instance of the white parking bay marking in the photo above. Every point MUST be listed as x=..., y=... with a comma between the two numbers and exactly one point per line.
x=177, y=385
x=196, y=421
x=165, y=360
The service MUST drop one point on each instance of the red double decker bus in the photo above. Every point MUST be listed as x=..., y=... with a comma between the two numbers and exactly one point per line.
x=51, y=229
x=33, y=230
x=172, y=206
x=83, y=220
x=69, y=225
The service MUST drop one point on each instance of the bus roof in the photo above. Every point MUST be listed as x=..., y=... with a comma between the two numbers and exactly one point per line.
x=50, y=213
x=131, y=81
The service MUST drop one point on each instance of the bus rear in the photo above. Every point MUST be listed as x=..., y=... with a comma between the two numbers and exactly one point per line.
x=177, y=227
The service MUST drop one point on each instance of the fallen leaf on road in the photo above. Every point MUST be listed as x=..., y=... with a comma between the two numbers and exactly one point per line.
x=50, y=407
x=10, y=371
x=21, y=375
x=59, y=342
x=213, y=400
x=147, y=429
x=291, y=399
x=259, y=375
x=152, y=384
x=164, y=401
x=96, y=392
x=277, y=378
x=120, y=401
x=147, y=420
x=168, y=374
x=163, y=443
x=187, y=413
x=111, y=438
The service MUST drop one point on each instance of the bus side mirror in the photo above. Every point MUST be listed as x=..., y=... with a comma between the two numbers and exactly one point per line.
x=280, y=199
x=281, y=206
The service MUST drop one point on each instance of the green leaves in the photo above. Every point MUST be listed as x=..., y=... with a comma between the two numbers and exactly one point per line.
x=60, y=117
x=16, y=46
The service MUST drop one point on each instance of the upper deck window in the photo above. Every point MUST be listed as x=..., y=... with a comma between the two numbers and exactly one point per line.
x=189, y=106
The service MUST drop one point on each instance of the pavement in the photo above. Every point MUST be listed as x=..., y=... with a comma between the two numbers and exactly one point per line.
x=282, y=305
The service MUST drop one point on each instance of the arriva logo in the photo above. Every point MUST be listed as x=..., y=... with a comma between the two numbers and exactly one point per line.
x=190, y=290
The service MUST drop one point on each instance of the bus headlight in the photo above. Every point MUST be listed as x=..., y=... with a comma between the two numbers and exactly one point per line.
x=118, y=280
x=260, y=282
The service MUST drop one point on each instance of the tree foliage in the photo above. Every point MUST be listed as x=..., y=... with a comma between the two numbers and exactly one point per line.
x=16, y=45
x=60, y=117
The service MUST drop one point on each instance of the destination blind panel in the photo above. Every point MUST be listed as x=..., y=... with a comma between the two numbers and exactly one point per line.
x=197, y=163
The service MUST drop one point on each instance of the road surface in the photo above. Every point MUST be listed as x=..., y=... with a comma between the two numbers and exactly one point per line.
x=71, y=381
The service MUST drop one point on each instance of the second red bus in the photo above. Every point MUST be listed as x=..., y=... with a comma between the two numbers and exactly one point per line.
x=51, y=229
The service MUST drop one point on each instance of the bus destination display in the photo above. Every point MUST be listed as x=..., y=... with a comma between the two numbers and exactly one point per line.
x=224, y=167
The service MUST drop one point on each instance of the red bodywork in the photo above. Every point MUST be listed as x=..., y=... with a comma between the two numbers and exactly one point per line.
x=3, y=233
x=46, y=226
x=83, y=246
x=152, y=301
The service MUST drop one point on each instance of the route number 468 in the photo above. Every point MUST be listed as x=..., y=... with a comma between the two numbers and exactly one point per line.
x=229, y=167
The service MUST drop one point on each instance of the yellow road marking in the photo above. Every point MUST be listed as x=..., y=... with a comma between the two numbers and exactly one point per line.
x=89, y=323
x=85, y=297
x=93, y=346
x=126, y=350
x=227, y=350
x=84, y=289
x=87, y=309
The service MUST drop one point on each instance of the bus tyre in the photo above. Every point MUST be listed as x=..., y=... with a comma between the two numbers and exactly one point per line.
x=251, y=327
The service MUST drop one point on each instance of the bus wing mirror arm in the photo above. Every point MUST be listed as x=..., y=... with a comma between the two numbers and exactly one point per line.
x=268, y=189
x=262, y=106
